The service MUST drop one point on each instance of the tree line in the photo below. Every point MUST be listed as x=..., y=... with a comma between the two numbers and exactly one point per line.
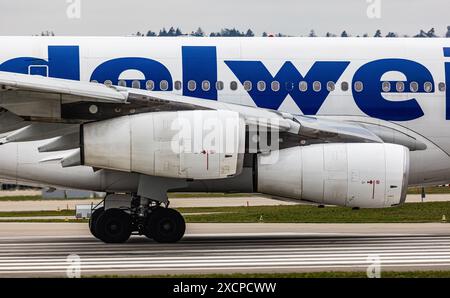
x=233, y=32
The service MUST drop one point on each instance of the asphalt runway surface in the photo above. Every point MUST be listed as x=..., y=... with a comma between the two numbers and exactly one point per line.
x=42, y=250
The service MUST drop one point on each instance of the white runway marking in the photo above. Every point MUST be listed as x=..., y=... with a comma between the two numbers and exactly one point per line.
x=46, y=256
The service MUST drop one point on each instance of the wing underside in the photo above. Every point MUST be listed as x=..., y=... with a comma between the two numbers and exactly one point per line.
x=37, y=108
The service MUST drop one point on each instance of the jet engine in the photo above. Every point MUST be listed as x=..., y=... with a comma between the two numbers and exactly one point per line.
x=201, y=144
x=369, y=175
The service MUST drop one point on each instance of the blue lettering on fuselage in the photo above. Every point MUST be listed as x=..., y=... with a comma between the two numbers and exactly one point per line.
x=199, y=64
x=63, y=63
x=371, y=101
x=309, y=101
x=447, y=84
x=150, y=69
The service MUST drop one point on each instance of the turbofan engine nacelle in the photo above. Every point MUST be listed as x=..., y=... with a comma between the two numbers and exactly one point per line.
x=353, y=175
x=202, y=144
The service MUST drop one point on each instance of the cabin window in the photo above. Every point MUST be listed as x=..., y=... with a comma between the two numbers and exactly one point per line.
x=359, y=86
x=178, y=85
x=275, y=86
x=331, y=86
x=317, y=86
x=386, y=86
x=414, y=86
x=108, y=83
x=192, y=85
x=428, y=87
x=233, y=85
x=136, y=84
x=344, y=86
x=261, y=86
x=247, y=86
x=150, y=85
x=219, y=85
x=122, y=83
x=206, y=85
x=400, y=86
x=303, y=86
x=164, y=85
x=442, y=87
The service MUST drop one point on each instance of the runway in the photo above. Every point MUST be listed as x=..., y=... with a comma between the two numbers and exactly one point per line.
x=244, y=250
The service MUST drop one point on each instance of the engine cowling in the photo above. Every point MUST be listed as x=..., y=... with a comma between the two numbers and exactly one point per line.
x=353, y=175
x=185, y=144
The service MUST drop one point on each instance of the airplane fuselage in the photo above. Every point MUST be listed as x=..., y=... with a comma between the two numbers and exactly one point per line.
x=400, y=83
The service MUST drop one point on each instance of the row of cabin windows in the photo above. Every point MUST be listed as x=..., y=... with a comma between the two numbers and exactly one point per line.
x=276, y=86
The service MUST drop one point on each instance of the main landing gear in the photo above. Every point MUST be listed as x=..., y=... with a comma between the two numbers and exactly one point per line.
x=119, y=219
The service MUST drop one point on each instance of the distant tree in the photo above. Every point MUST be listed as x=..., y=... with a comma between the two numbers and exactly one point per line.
x=448, y=32
x=249, y=33
x=344, y=34
x=366, y=35
x=198, y=33
x=421, y=34
x=212, y=34
x=392, y=34
x=162, y=32
x=230, y=32
x=178, y=32
x=431, y=33
x=47, y=33
x=171, y=31
x=378, y=33
x=150, y=33
x=330, y=34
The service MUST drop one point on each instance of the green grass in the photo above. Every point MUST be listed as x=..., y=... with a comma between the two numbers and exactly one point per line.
x=39, y=198
x=36, y=213
x=430, y=190
x=356, y=274
x=50, y=220
x=21, y=198
x=414, y=190
x=171, y=195
x=407, y=213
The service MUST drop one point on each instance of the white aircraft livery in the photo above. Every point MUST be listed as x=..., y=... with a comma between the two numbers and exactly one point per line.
x=342, y=121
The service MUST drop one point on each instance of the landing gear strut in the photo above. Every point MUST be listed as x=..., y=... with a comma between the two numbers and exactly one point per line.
x=115, y=223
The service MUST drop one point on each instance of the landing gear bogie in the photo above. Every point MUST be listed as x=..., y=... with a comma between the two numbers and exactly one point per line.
x=139, y=216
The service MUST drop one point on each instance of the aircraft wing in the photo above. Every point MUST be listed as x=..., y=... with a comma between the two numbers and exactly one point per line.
x=42, y=107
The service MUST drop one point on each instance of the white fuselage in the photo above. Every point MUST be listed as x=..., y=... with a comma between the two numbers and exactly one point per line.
x=398, y=83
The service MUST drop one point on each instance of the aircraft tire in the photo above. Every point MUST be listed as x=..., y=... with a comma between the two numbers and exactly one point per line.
x=93, y=220
x=114, y=226
x=166, y=225
x=147, y=231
